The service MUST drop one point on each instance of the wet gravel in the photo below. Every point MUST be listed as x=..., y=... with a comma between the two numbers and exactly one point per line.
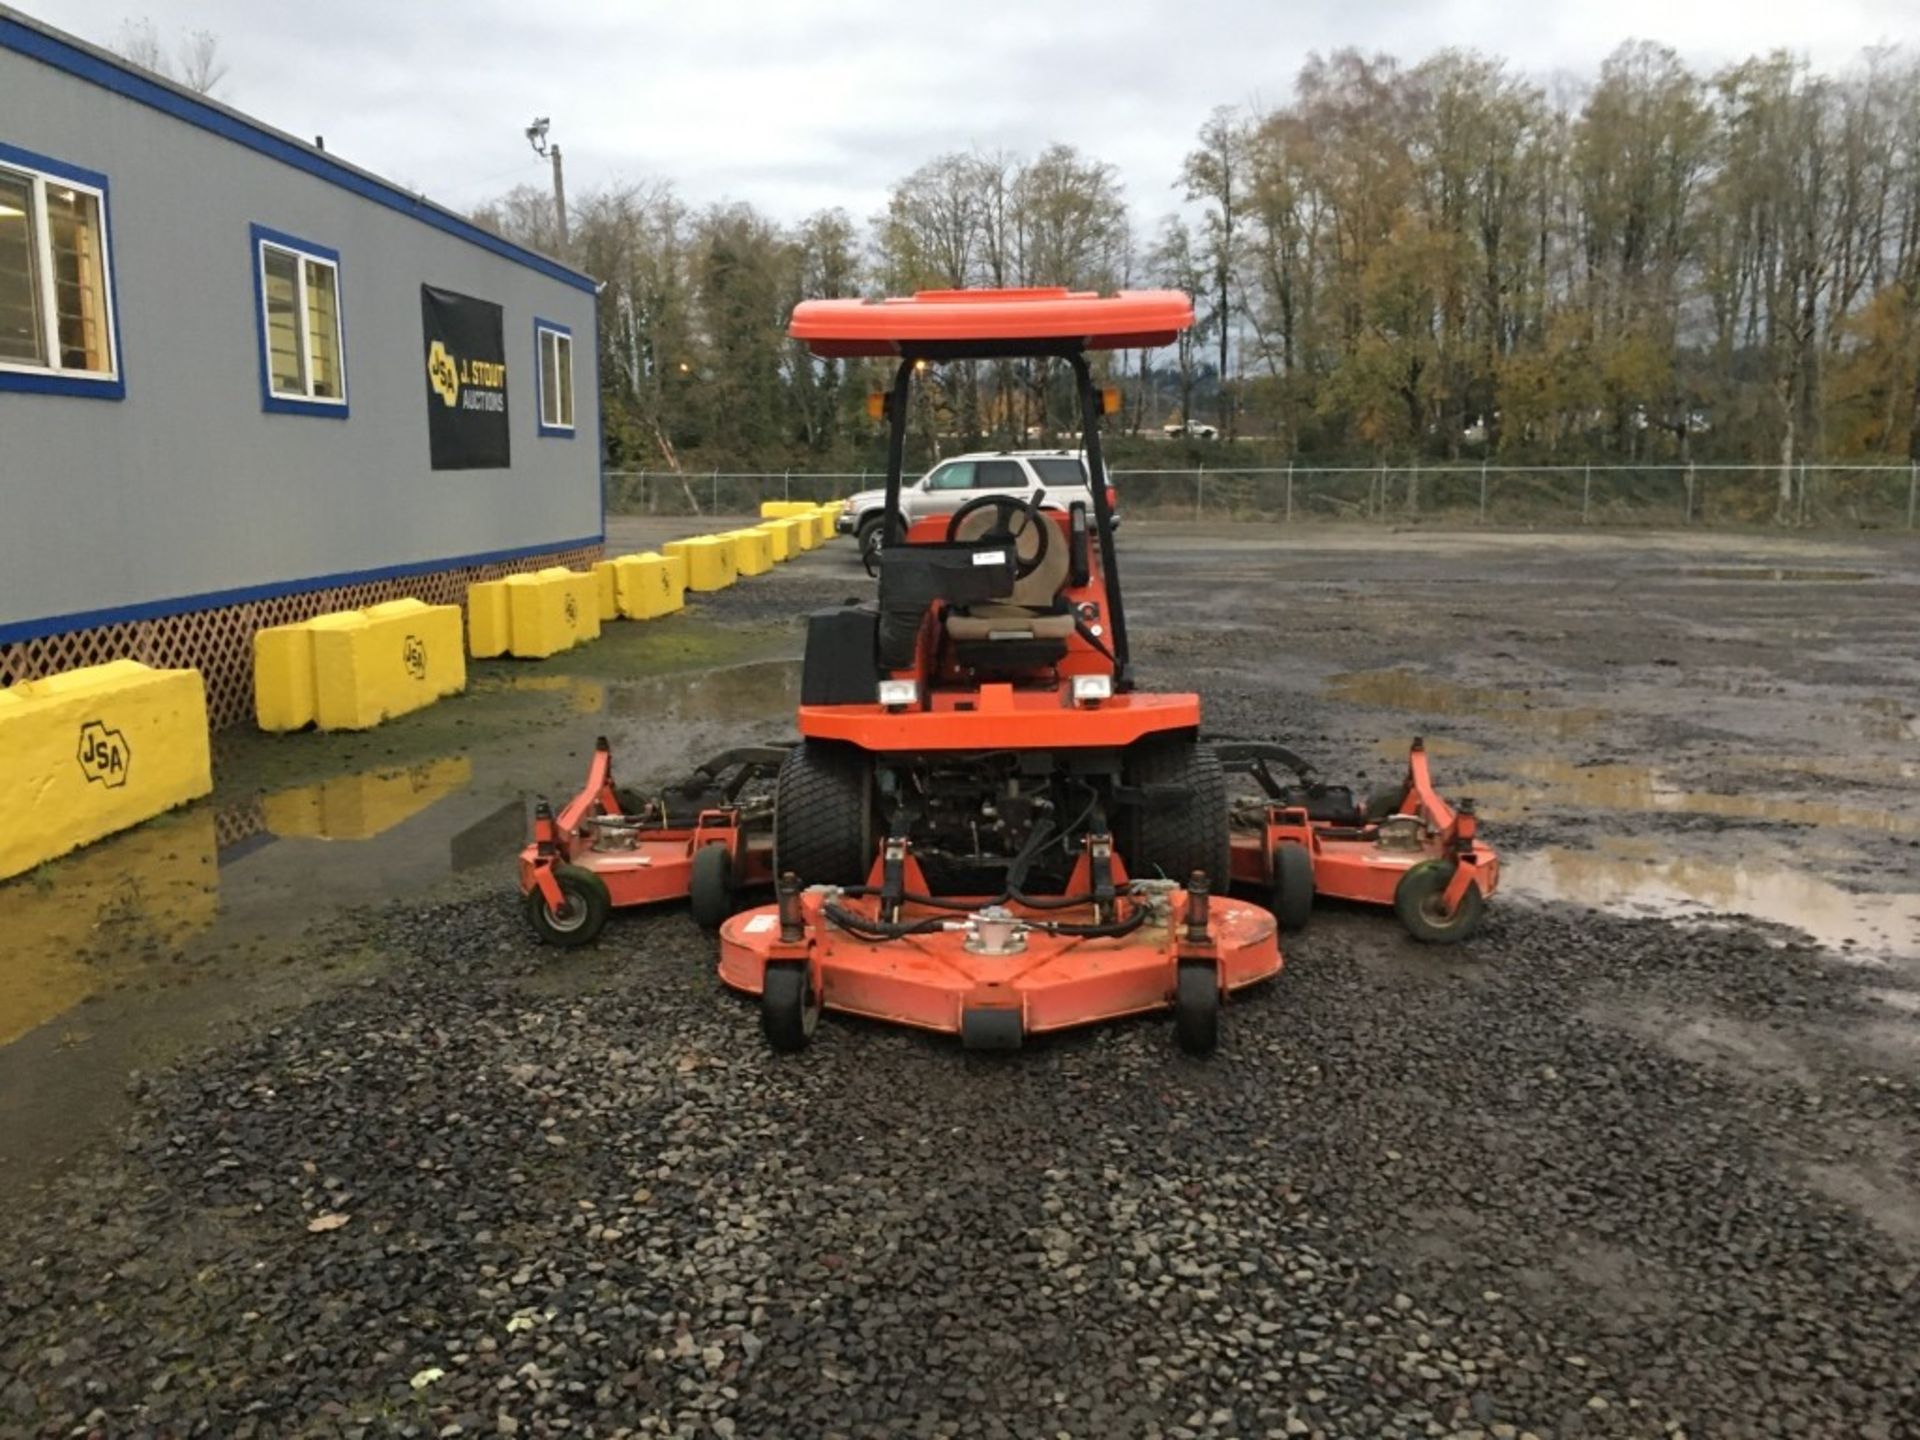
x=1474, y=1192
x=1583, y=1176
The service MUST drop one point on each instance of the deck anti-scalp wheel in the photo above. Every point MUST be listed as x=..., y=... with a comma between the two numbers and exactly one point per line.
x=710, y=886
x=1196, y=1006
x=788, y=1008
x=1292, y=887
x=583, y=910
x=1420, y=902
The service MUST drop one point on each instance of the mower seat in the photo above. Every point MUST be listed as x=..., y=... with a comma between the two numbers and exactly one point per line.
x=1022, y=631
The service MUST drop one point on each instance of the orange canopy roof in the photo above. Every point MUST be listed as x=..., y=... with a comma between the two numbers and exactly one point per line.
x=954, y=320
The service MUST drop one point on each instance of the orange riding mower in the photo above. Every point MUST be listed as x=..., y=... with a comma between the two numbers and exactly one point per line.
x=986, y=829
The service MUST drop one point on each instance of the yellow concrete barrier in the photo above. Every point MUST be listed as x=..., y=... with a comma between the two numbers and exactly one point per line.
x=780, y=543
x=359, y=807
x=489, y=619
x=607, y=596
x=784, y=509
x=806, y=530
x=676, y=567
x=88, y=752
x=551, y=610
x=646, y=587
x=712, y=561
x=283, y=677
x=823, y=522
x=387, y=660
x=752, y=551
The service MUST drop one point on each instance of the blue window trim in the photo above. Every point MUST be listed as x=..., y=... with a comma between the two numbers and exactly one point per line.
x=98, y=68
x=260, y=237
x=552, y=432
x=52, y=382
x=214, y=599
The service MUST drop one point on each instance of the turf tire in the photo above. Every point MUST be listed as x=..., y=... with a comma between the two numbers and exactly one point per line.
x=823, y=814
x=1193, y=835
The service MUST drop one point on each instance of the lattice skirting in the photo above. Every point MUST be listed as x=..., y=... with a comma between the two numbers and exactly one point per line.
x=219, y=642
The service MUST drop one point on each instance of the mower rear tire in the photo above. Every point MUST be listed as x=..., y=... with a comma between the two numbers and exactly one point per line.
x=1419, y=901
x=710, y=886
x=1196, y=1006
x=583, y=913
x=1192, y=835
x=1292, y=887
x=823, y=814
x=788, y=1009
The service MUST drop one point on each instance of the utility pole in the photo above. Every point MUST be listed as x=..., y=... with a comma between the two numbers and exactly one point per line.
x=537, y=137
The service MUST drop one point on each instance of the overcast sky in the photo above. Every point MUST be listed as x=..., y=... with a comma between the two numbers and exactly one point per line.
x=796, y=105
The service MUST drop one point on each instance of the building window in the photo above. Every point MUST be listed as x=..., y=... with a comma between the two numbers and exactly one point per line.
x=302, y=344
x=56, y=288
x=553, y=345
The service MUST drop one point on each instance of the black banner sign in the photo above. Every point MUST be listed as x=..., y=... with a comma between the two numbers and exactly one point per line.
x=466, y=354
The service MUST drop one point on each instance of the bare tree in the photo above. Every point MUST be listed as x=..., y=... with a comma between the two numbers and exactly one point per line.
x=195, y=62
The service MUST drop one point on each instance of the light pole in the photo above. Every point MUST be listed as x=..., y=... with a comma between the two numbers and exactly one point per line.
x=537, y=137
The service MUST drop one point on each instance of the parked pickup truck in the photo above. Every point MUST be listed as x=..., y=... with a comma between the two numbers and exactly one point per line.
x=1062, y=474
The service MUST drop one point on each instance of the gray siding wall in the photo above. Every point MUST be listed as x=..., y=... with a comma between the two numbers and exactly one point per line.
x=187, y=487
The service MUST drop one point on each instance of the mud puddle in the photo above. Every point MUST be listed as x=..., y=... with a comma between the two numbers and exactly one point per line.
x=1642, y=878
x=122, y=953
x=1427, y=695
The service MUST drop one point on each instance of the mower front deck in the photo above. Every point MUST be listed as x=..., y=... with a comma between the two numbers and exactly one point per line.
x=994, y=973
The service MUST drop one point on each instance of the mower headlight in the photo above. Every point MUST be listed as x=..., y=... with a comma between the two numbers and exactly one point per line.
x=1092, y=689
x=896, y=693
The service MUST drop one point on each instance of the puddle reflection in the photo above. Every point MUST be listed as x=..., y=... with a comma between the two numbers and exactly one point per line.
x=1770, y=574
x=74, y=924
x=1640, y=787
x=360, y=807
x=1632, y=879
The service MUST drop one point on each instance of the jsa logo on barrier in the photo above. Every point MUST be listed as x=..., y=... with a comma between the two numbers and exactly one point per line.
x=414, y=654
x=104, y=754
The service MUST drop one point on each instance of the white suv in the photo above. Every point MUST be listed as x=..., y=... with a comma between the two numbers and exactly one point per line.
x=1062, y=474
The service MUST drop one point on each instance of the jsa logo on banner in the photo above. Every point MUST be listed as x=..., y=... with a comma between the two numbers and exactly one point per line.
x=468, y=384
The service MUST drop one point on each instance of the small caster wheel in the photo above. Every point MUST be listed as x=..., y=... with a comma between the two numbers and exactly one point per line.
x=1292, y=887
x=1196, y=1007
x=710, y=889
x=788, y=1008
x=583, y=911
x=1420, y=902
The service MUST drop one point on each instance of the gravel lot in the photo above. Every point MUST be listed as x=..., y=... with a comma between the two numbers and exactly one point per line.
x=1592, y=1174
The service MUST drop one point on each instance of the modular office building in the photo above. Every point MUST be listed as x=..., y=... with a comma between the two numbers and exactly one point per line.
x=243, y=383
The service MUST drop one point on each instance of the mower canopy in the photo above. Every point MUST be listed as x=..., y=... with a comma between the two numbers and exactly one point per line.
x=983, y=324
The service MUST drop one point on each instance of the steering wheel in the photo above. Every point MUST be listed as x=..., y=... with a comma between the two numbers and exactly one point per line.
x=1006, y=510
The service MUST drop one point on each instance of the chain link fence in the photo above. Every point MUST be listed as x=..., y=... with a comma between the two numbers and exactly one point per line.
x=1822, y=496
